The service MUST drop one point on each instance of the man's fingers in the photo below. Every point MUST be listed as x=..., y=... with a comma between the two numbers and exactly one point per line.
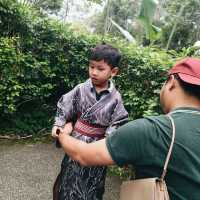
x=68, y=128
x=68, y=125
x=56, y=131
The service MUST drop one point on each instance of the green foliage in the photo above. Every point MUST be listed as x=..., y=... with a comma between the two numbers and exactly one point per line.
x=18, y=20
x=146, y=16
x=38, y=63
x=118, y=10
x=48, y=5
x=97, y=1
x=143, y=74
x=188, y=25
x=125, y=173
x=45, y=59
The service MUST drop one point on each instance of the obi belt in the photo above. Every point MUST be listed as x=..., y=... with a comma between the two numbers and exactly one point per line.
x=91, y=130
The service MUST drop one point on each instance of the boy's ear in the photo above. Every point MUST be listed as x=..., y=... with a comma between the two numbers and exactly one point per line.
x=114, y=71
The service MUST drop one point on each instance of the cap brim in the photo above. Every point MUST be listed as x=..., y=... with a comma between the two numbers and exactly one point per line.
x=189, y=79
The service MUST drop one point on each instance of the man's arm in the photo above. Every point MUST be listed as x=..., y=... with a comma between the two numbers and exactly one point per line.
x=87, y=154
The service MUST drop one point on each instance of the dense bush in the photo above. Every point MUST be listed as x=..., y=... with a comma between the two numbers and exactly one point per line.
x=49, y=59
x=143, y=74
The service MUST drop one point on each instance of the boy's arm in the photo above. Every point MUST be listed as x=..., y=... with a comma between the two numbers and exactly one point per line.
x=66, y=109
x=87, y=154
x=118, y=118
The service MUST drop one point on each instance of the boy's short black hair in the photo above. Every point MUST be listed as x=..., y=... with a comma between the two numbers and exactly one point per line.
x=107, y=53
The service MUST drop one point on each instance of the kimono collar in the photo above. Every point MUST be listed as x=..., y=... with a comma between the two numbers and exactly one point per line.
x=110, y=89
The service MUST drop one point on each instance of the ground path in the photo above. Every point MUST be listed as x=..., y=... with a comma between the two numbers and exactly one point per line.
x=27, y=172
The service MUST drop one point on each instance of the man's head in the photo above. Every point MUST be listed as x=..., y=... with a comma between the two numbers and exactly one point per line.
x=182, y=87
x=104, y=62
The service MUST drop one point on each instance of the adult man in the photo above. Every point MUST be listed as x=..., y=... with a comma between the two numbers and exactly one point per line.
x=144, y=143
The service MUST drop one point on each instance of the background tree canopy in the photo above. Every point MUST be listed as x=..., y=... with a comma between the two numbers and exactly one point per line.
x=188, y=28
x=47, y=5
x=157, y=23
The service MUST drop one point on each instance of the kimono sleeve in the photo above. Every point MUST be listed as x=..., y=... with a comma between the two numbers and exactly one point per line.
x=67, y=107
x=118, y=118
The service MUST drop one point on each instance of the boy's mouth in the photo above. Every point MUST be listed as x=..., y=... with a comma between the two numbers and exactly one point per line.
x=94, y=79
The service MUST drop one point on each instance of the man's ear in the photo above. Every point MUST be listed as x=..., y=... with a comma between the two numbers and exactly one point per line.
x=171, y=83
x=114, y=71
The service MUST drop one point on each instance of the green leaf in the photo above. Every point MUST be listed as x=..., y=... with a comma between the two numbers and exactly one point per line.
x=147, y=11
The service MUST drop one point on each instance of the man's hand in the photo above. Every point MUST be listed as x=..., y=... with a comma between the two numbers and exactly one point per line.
x=55, y=130
x=68, y=128
x=87, y=154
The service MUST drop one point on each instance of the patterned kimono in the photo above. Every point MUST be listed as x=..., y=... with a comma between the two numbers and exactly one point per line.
x=94, y=116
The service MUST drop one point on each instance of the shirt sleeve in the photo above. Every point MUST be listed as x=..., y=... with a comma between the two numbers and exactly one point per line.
x=131, y=143
x=67, y=107
x=118, y=118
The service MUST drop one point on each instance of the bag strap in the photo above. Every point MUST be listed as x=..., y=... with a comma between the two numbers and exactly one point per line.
x=170, y=148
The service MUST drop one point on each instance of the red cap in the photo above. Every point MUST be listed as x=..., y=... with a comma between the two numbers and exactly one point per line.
x=188, y=70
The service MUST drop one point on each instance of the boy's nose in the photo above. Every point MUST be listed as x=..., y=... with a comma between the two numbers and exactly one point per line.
x=94, y=72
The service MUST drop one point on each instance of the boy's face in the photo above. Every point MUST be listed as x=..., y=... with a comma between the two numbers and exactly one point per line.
x=100, y=72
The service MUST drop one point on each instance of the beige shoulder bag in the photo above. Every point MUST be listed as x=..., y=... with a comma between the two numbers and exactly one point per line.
x=148, y=188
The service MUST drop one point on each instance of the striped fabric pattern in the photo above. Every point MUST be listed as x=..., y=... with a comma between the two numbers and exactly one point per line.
x=85, y=128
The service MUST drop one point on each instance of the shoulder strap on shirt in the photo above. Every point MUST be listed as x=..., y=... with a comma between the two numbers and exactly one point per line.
x=170, y=148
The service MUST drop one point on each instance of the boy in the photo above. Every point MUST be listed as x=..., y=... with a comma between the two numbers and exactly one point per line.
x=96, y=109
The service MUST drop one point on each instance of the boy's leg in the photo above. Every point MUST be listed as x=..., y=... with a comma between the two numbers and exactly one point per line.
x=82, y=183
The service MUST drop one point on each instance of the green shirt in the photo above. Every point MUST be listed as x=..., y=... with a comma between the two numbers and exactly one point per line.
x=144, y=143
